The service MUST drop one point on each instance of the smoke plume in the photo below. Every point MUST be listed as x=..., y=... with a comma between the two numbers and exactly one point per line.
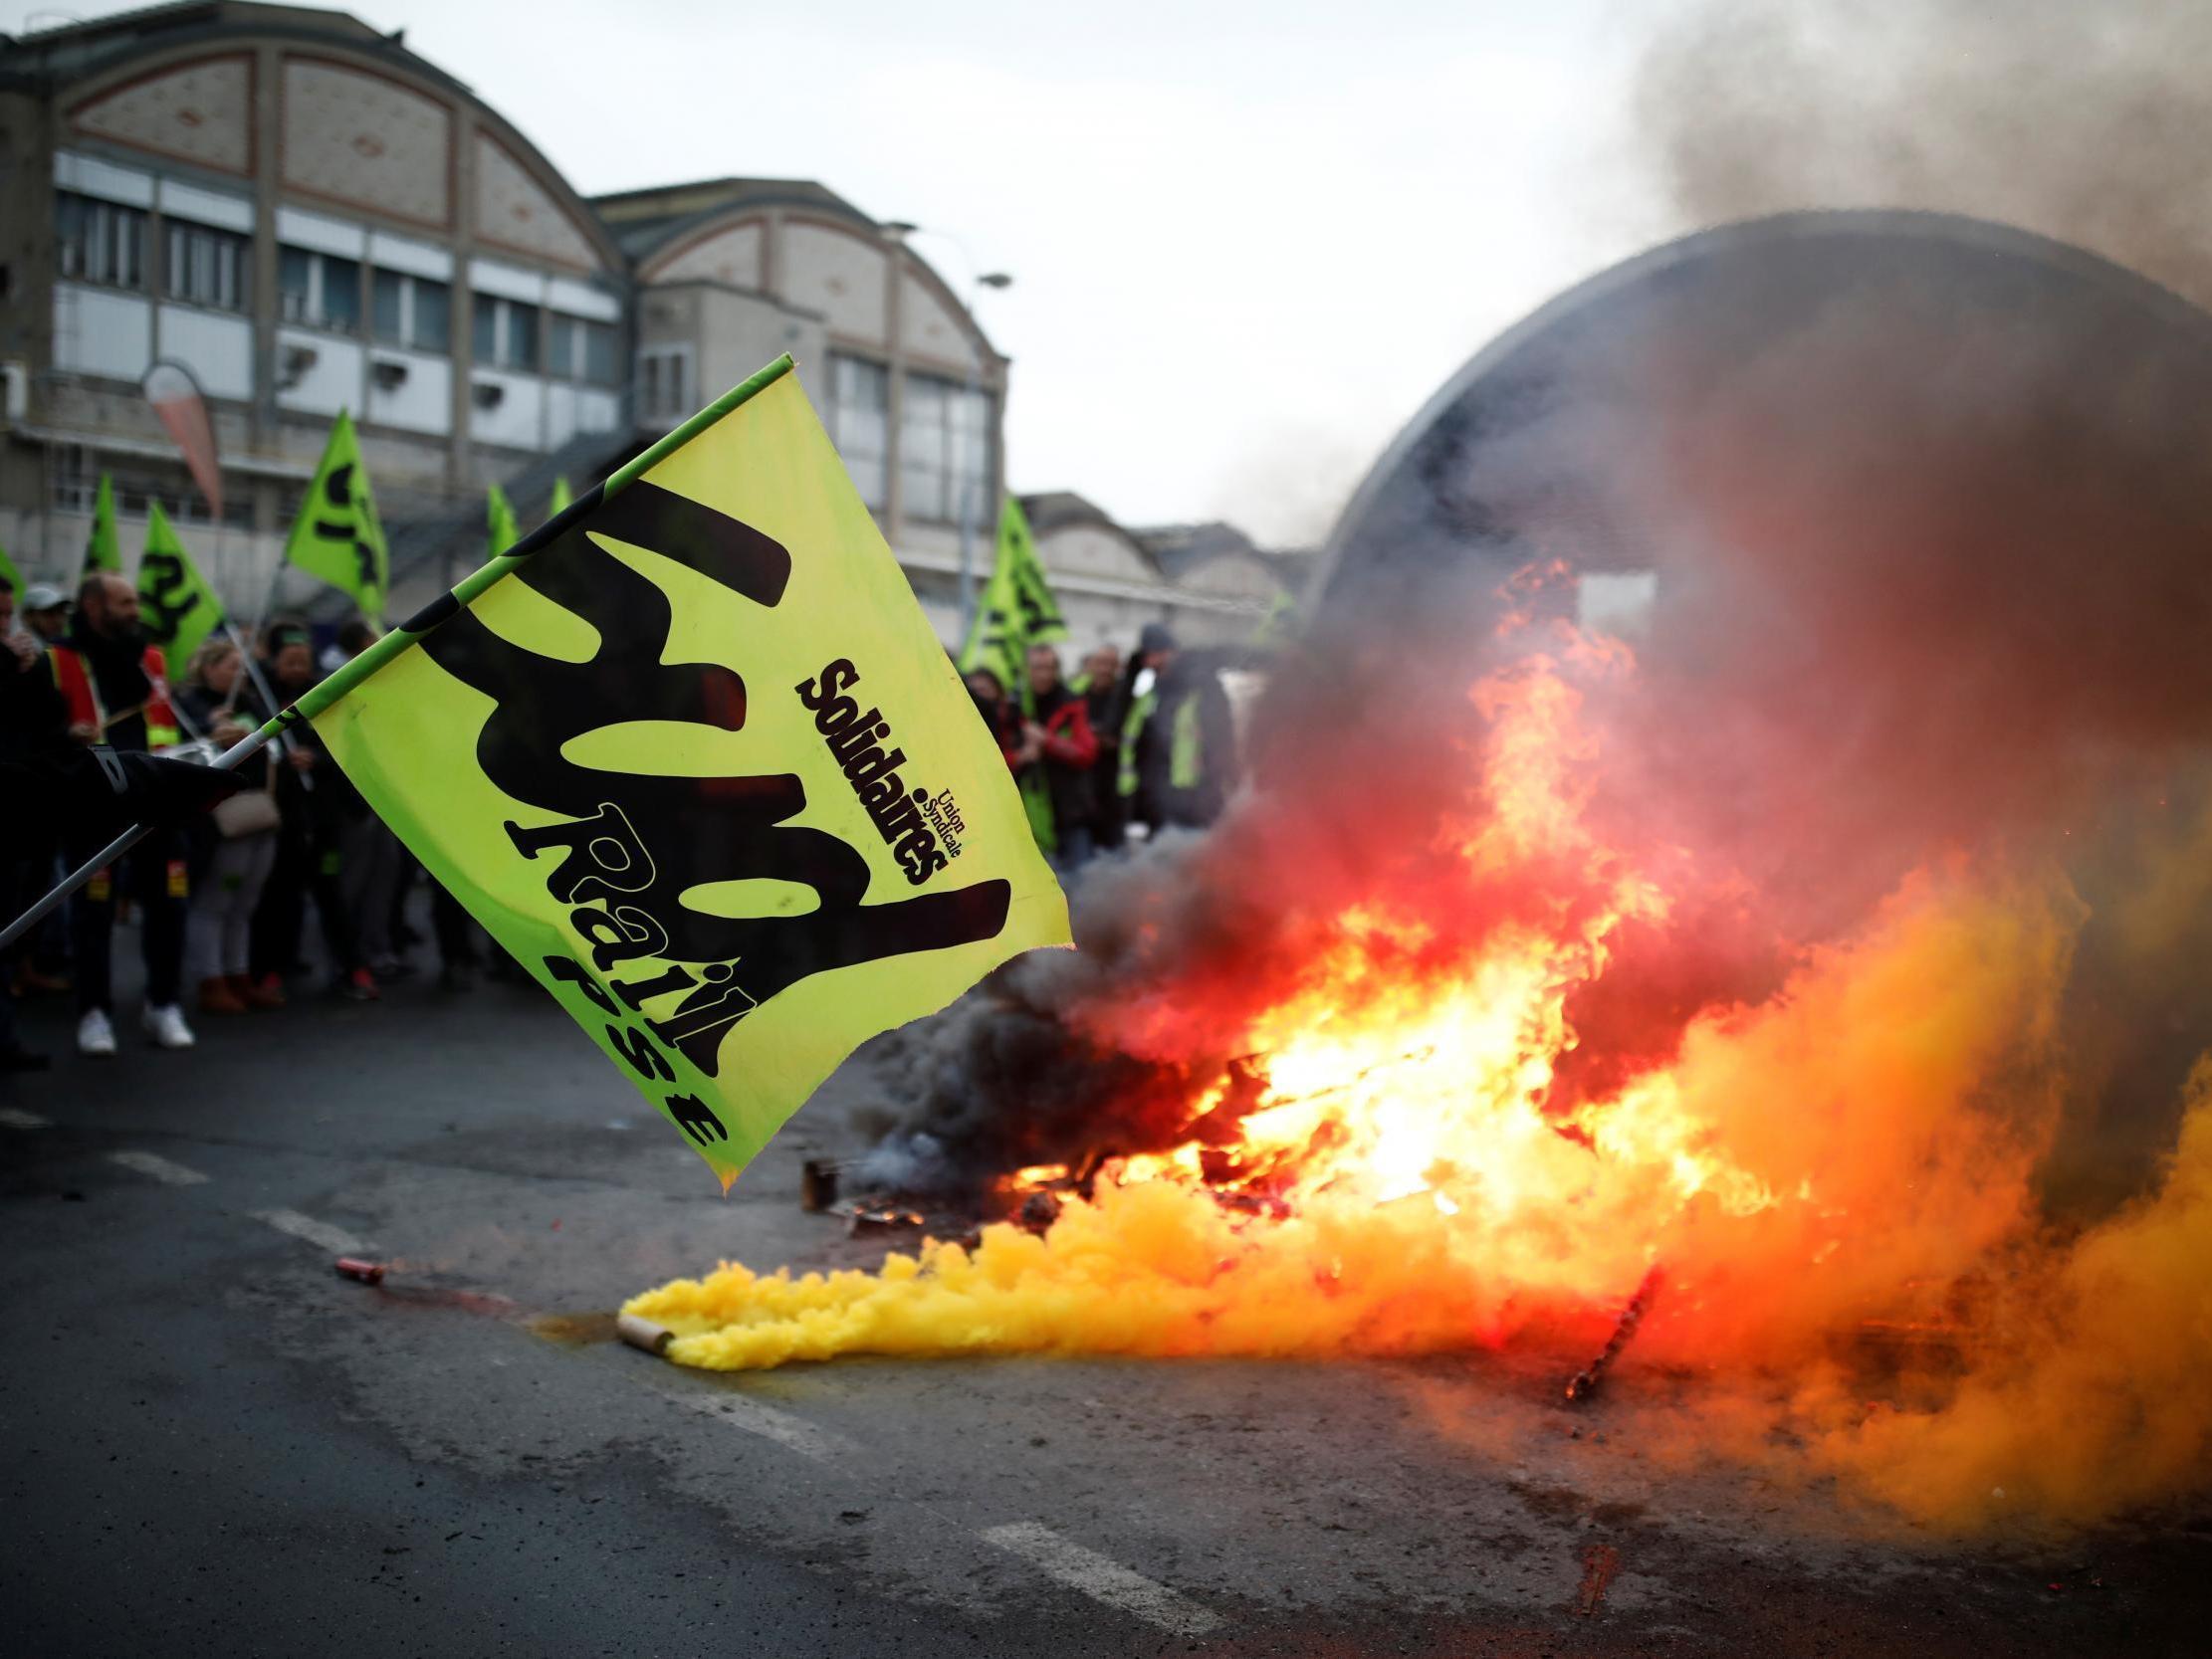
x=2077, y=122
x=1839, y=943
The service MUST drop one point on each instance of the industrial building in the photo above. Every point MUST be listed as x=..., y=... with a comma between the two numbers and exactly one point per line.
x=309, y=217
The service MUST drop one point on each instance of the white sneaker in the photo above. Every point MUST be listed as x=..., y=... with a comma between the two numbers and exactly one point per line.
x=95, y=1035
x=165, y=1025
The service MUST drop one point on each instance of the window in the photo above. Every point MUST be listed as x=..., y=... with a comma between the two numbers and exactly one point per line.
x=664, y=383
x=944, y=450
x=207, y=266
x=504, y=333
x=100, y=242
x=320, y=291
x=577, y=349
x=860, y=423
x=600, y=365
x=411, y=310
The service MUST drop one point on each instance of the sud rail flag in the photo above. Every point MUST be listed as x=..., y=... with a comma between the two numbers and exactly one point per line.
x=175, y=604
x=337, y=537
x=692, y=754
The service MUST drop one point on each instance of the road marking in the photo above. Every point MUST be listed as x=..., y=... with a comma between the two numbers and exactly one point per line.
x=792, y=1432
x=159, y=1168
x=1100, y=1579
x=318, y=1233
x=22, y=1120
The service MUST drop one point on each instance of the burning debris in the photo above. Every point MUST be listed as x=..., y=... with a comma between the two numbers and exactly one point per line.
x=1585, y=1383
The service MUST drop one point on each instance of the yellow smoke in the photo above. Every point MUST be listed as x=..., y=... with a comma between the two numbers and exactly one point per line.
x=1858, y=1149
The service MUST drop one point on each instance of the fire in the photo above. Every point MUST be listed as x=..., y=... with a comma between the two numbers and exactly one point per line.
x=1376, y=1080
x=1391, y=1168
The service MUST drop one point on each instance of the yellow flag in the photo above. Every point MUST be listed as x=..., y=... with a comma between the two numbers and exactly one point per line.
x=698, y=763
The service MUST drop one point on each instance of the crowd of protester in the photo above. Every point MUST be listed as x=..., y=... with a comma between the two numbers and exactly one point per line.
x=1124, y=748
x=221, y=897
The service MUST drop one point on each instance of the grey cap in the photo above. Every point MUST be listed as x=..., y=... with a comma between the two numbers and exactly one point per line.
x=1158, y=635
x=43, y=596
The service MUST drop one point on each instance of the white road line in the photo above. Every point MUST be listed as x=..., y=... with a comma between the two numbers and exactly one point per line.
x=318, y=1233
x=1100, y=1579
x=14, y=1119
x=793, y=1433
x=159, y=1168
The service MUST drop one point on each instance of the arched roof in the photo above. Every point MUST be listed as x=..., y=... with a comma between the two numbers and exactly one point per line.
x=673, y=232
x=1434, y=493
x=367, y=123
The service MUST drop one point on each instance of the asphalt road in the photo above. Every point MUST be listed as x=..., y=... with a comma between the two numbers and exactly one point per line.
x=211, y=1443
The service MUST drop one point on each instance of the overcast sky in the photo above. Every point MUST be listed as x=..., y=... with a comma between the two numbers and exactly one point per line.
x=1247, y=238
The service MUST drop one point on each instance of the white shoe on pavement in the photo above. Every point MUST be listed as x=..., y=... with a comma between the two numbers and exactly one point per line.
x=95, y=1035
x=164, y=1023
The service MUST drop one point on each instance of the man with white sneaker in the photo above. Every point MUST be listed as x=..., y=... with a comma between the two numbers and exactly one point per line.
x=112, y=680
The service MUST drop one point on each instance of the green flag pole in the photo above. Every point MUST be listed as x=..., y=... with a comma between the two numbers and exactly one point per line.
x=349, y=677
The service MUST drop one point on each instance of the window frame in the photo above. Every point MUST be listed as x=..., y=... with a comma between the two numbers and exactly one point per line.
x=947, y=473
x=650, y=386
x=866, y=463
x=99, y=241
x=191, y=238
x=411, y=290
x=508, y=318
x=313, y=311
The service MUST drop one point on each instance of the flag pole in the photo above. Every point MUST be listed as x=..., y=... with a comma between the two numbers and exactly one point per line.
x=350, y=676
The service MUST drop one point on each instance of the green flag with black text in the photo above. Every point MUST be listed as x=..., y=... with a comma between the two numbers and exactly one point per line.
x=11, y=576
x=337, y=538
x=175, y=605
x=697, y=760
x=104, y=547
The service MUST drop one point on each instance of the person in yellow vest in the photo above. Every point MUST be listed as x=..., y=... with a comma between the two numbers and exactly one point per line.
x=1178, y=740
x=111, y=683
x=1099, y=686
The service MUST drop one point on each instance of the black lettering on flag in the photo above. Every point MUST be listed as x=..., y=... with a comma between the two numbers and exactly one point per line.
x=646, y=841
x=337, y=494
x=163, y=600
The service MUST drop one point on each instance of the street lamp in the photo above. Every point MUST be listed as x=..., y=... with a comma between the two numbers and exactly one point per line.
x=970, y=487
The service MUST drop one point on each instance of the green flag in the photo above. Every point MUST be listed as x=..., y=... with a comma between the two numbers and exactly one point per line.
x=10, y=575
x=698, y=761
x=103, y=549
x=498, y=522
x=337, y=538
x=1016, y=612
x=561, y=499
x=177, y=607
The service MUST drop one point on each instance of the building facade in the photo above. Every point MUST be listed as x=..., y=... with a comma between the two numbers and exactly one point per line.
x=1207, y=582
x=309, y=217
x=731, y=272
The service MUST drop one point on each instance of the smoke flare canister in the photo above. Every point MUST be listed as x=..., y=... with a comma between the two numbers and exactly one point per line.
x=360, y=1272
x=644, y=1333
